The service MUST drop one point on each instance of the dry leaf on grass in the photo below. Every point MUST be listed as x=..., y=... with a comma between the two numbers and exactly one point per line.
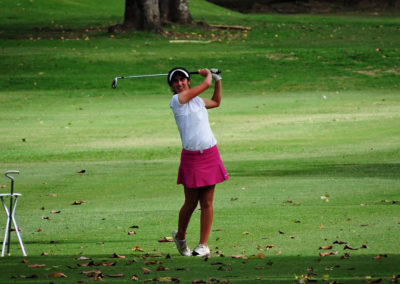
x=78, y=202
x=326, y=247
x=36, y=265
x=349, y=247
x=83, y=258
x=165, y=240
x=162, y=268
x=114, y=275
x=56, y=275
x=267, y=247
x=323, y=254
x=137, y=248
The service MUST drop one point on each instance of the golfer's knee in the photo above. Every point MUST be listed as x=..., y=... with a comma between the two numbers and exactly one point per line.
x=206, y=205
x=189, y=206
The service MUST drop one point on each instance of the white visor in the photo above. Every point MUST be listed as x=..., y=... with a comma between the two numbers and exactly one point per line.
x=171, y=75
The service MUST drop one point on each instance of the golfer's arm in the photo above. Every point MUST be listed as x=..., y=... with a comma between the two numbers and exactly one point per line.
x=189, y=94
x=215, y=101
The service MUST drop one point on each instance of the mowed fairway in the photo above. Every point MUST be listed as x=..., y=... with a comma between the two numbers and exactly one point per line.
x=308, y=129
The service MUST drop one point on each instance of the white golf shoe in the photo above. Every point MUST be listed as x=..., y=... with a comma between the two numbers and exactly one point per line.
x=181, y=245
x=201, y=250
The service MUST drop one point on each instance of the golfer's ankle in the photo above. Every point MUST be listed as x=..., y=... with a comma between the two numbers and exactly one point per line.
x=180, y=237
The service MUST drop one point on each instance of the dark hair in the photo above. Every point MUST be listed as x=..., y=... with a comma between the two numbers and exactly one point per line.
x=175, y=71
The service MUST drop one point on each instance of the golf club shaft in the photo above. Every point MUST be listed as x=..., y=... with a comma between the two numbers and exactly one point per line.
x=150, y=75
x=115, y=81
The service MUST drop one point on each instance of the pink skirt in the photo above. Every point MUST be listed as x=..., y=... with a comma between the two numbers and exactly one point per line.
x=201, y=168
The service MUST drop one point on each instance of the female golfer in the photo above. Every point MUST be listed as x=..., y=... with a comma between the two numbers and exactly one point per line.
x=201, y=166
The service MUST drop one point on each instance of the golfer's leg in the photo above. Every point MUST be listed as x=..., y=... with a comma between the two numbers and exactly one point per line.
x=191, y=200
x=207, y=212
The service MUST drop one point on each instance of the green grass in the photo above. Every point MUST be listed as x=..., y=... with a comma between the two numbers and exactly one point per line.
x=308, y=130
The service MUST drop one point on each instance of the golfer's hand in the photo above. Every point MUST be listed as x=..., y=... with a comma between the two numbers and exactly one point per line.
x=216, y=77
x=204, y=72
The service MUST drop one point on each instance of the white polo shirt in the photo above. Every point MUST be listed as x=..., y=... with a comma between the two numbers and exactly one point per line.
x=193, y=125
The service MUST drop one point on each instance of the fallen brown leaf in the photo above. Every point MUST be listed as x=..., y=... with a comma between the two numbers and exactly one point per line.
x=146, y=270
x=165, y=240
x=92, y=273
x=78, y=202
x=131, y=233
x=114, y=255
x=349, y=247
x=83, y=258
x=55, y=212
x=135, y=278
x=137, y=248
x=36, y=265
x=109, y=263
x=89, y=264
x=81, y=172
x=152, y=262
x=326, y=247
x=323, y=254
x=56, y=275
x=162, y=268
x=267, y=247
x=114, y=275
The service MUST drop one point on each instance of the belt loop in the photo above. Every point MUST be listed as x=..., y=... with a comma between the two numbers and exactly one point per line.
x=201, y=151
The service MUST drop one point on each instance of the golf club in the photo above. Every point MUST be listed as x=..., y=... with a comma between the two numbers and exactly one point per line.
x=115, y=81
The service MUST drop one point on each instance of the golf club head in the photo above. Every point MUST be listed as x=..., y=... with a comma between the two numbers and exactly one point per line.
x=114, y=83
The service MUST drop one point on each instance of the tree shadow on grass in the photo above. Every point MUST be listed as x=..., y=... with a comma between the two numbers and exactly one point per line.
x=266, y=169
x=173, y=268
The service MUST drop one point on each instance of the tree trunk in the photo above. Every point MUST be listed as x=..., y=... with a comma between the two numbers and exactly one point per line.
x=142, y=15
x=152, y=14
x=182, y=14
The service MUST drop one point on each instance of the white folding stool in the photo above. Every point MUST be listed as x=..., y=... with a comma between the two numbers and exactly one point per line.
x=11, y=216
